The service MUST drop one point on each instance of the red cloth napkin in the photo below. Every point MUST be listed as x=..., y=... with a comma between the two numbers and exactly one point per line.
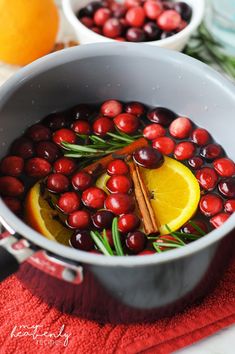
x=19, y=307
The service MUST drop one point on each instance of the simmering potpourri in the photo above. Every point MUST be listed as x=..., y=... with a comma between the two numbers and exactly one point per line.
x=119, y=178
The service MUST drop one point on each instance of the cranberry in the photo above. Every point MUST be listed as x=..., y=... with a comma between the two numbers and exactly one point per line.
x=207, y=178
x=148, y=157
x=102, y=219
x=79, y=219
x=135, y=16
x=161, y=115
x=81, y=111
x=195, y=162
x=11, y=186
x=128, y=222
x=184, y=10
x=96, y=30
x=135, y=108
x=57, y=183
x=56, y=121
x=146, y=253
x=117, y=167
x=227, y=187
x=112, y=28
x=92, y=7
x=224, y=167
x=81, y=127
x=200, y=136
x=154, y=131
x=102, y=126
x=136, y=241
x=120, y=39
x=82, y=240
x=109, y=237
x=87, y=21
x=131, y=3
x=219, y=219
x=69, y=202
x=47, y=150
x=38, y=132
x=184, y=150
x=135, y=34
x=118, y=10
x=153, y=9
x=81, y=180
x=119, y=184
x=13, y=204
x=164, y=144
x=101, y=16
x=120, y=203
x=64, y=135
x=126, y=123
x=211, y=152
x=111, y=108
x=229, y=206
x=169, y=20
x=180, y=128
x=37, y=167
x=210, y=204
x=12, y=166
x=23, y=147
x=188, y=228
x=64, y=165
x=152, y=31
x=94, y=198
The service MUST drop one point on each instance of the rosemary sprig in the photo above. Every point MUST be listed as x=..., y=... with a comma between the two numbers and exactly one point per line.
x=100, y=243
x=116, y=238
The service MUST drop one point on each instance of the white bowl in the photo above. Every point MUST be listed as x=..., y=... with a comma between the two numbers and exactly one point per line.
x=176, y=42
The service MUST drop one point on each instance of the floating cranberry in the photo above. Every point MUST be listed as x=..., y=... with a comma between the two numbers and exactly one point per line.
x=56, y=121
x=87, y=21
x=69, y=202
x=79, y=219
x=169, y=20
x=229, y=206
x=102, y=219
x=13, y=204
x=128, y=223
x=136, y=241
x=64, y=135
x=38, y=132
x=148, y=157
x=211, y=204
x=198, y=229
x=152, y=31
x=184, y=10
x=127, y=123
x=227, y=187
x=94, y=198
x=153, y=9
x=57, y=183
x=119, y=184
x=131, y=3
x=195, y=162
x=112, y=28
x=211, y=152
x=82, y=240
x=200, y=136
x=102, y=126
x=135, y=108
x=101, y=16
x=135, y=16
x=81, y=127
x=81, y=111
x=111, y=108
x=154, y=131
x=23, y=147
x=12, y=166
x=81, y=180
x=219, y=219
x=164, y=144
x=11, y=186
x=161, y=115
x=117, y=167
x=135, y=34
x=47, y=150
x=207, y=178
x=224, y=167
x=180, y=128
x=120, y=203
x=37, y=167
x=64, y=165
x=184, y=150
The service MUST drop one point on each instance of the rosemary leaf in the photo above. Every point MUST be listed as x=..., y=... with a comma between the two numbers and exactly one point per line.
x=106, y=243
x=99, y=244
x=116, y=238
x=196, y=227
x=80, y=148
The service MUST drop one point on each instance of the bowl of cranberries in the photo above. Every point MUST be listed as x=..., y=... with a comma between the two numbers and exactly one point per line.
x=167, y=24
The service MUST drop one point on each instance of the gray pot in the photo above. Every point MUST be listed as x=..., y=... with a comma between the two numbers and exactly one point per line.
x=116, y=289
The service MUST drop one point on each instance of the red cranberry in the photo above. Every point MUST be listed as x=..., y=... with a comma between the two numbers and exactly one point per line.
x=11, y=186
x=38, y=132
x=211, y=152
x=120, y=203
x=195, y=162
x=154, y=131
x=94, y=198
x=118, y=10
x=12, y=166
x=153, y=9
x=82, y=240
x=112, y=28
x=109, y=237
x=111, y=108
x=57, y=183
x=135, y=16
x=227, y=187
x=200, y=136
x=135, y=108
x=146, y=253
x=87, y=21
x=64, y=135
x=148, y=157
x=69, y=202
x=136, y=241
x=23, y=147
x=207, y=178
x=47, y=150
x=169, y=20
x=101, y=16
x=229, y=206
x=127, y=123
x=37, y=167
x=164, y=144
x=81, y=127
x=56, y=121
x=79, y=219
x=93, y=6
x=224, y=167
x=188, y=228
x=131, y=3
x=64, y=165
x=81, y=180
x=102, y=219
x=135, y=34
x=210, y=204
x=119, y=184
x=13, y=204
x=117, y=167
x=184, y=150
x=152, y=31
x=102, y=126
x=161, y=115
x=184, y=10
x=219, y=219
x=81, y=111
x=180, y=128
x=120, y=39
x=128, y=223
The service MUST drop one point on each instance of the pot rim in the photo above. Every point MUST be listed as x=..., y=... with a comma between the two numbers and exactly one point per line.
x=94, y=50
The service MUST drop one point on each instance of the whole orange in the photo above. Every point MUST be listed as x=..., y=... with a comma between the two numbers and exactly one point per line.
x=28, y=29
